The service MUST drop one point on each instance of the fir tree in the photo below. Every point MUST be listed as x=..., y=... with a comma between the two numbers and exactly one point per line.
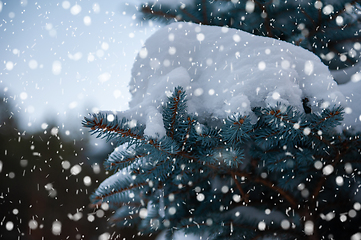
x=289, y=175
x=330, y=29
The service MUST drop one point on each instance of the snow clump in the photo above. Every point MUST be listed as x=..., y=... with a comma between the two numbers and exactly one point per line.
x=224, y=71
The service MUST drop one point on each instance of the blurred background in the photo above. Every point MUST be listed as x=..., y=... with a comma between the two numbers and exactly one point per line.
x=60, y=60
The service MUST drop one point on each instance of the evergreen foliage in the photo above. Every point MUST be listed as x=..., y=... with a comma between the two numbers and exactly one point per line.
x=274, y=173
x=328, y=28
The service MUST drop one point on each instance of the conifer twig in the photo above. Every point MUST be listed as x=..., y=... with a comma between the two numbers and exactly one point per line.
x=266, y=183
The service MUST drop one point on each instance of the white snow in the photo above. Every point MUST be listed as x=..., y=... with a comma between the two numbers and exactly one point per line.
x=352, y=117
x=224, y=71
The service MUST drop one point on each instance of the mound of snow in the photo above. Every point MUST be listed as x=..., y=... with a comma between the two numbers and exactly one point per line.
x=224, y=71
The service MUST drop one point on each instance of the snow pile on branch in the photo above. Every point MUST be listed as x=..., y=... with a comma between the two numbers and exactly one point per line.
x=224, y=71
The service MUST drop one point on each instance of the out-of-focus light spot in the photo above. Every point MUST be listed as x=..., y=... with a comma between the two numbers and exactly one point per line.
x=339, y=181
x=44, y=126
x=209, y=61
x=96, y=168
x=225, y=189
x=76, y=56
x=56, y=227
x=325, y=104
x=171, y=37
x=65, y=4
x=87, y=181
x=48, y=26
x=236, y=38
x=143, y=213
x=343, y=57
x=9, y=65
x=198, y=92
x=33, y=64
x=110, y=117
x=308, y=67
x=276, y=95
x=11, y=14
x=327, y=170
x=348, y=168
x=99, y=213
x=73, y=105
x=200, y=37
x=23, y=162
x=75, y=170
x=33, y=224
x=54, y=131
x=11, y=175
x=328, y=9
x=105, y=206
x=318, y=165
x=96, y=8
x=65, y=164
x=75, y=10
x=91, y=57
x=250, y=6
x=91, y=218
x=307, y=131
x=172, y=210
x=131, y=35
x=15, y=211
x=236, y=197
x=356, y=77
x=261, y=226
x=224, y=29
x=357, y=45
x=23, y=95
x=104, y=236
x=352, y=213
x=172, y=50
x=211, y=92
x=24, y=3
x=357, y=206
x=267, y=51
x=285, y=64
x=318, y=4
x=143, y=53
x=348, y=110
x=200, y=197
x=16, y=51
x=343, y=218
x=356, y=236
x=285, y=224
x=309, y=227
x=105, y=46
x=87, y=21
x=56, y=68
x=67, y=132
x=104, y=77
x=261, y=65
x=9, y=226
x=339, y=20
